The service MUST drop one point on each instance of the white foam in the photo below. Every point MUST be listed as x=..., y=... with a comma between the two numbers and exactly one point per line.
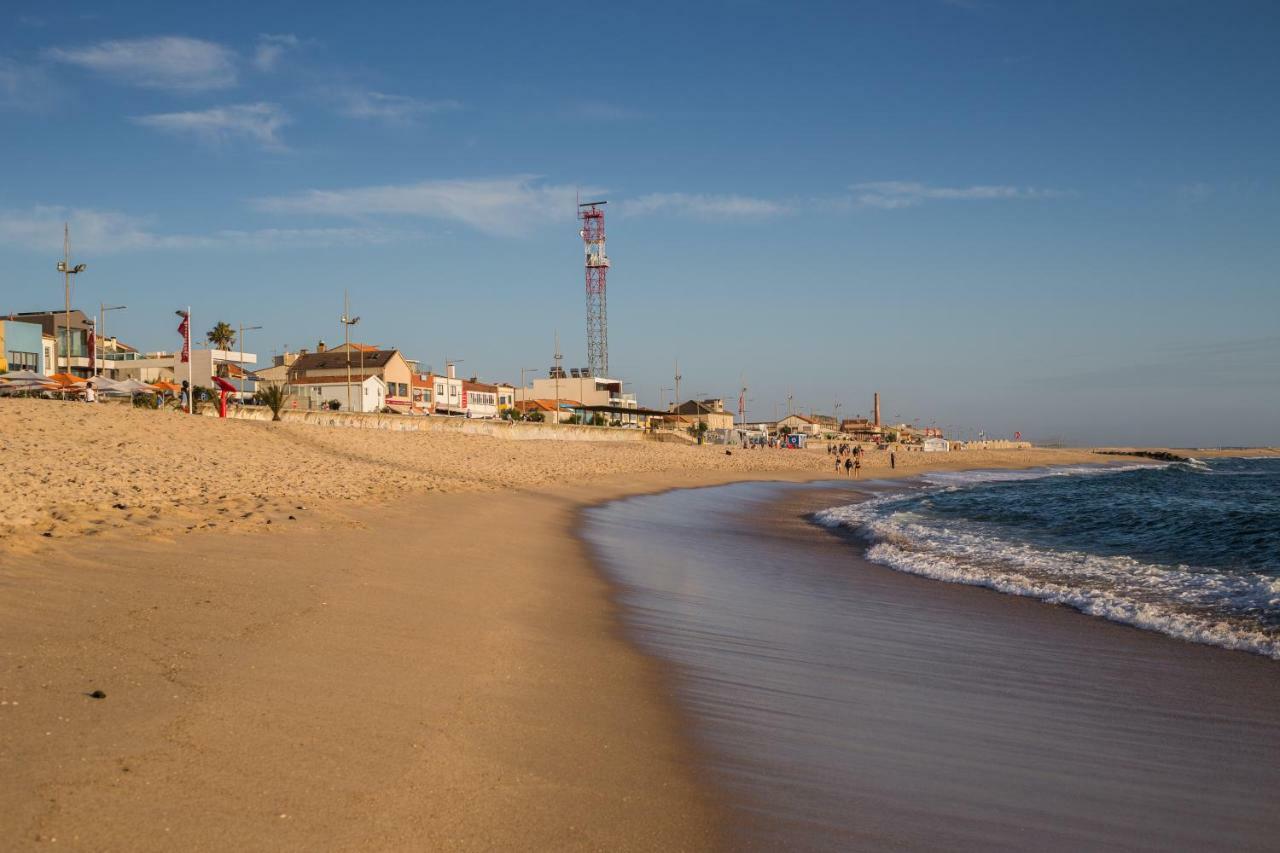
x=1180, y=601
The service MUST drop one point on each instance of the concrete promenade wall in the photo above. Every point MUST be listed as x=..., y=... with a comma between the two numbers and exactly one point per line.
x=411, y=423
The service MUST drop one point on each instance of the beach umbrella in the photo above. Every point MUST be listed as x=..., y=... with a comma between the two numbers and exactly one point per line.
x=165, y=385
x=26, y=376
x=67, y=380
x=107, y=386
x=133, y=386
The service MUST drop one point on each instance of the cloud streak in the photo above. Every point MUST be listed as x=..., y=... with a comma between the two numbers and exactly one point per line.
x=509, y=206
x=270, y=49
x=891, y=195
x=705, y=206
x=260, y=123
x=164, y=62
x=369, y=105
x=108, y=231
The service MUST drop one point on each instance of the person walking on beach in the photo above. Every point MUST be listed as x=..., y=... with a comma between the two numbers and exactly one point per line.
x=848, y=464
x=857, y=467
x=837, y=464
x=893, y=460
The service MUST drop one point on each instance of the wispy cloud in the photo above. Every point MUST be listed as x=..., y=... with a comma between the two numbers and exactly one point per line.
x=260, y=123
x=602, y=111
x=366, y=104
x=891, y=195
x=26, y=87
x=270, y=49
x=706, y=206
x=163, y=62
x=510, y=205
x=105, y=231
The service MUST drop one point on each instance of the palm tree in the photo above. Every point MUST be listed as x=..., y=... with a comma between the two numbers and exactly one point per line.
x=222, y=335
x=272, y=396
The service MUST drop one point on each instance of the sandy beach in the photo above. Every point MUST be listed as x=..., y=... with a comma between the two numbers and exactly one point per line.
x=315, y=638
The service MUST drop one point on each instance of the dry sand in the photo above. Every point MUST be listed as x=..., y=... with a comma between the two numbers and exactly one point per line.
x=391, y=668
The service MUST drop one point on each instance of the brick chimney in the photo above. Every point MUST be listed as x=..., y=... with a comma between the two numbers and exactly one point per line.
x=877, y=409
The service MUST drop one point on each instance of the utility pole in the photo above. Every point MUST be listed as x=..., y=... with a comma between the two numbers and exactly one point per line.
x=101, y=331
x=64, y=267
x=347, y=322
x=243, y=329
x=678, y=377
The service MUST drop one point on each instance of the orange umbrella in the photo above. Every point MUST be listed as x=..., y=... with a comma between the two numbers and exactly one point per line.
x=165, y=385
x=66, y=380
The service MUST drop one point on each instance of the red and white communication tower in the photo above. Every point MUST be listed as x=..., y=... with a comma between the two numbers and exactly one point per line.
x=597, y=263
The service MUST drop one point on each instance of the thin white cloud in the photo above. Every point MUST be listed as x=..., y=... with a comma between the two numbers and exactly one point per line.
x=602, y=111
x=26, y=87
x=163, y=62
x=380, y=106
x=890, y=195
x=511, y=205
x=260, y=123
x=705, y=206
x=107, y=231
x=271, y=49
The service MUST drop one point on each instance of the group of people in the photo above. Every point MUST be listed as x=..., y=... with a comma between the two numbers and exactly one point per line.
x=850, y=459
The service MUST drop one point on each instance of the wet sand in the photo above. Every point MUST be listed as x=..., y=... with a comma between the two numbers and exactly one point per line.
x=845, y=706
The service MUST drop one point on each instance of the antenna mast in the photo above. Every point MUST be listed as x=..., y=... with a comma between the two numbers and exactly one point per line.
x=597, y=268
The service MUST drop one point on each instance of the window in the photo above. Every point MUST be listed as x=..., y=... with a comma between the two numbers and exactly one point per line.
x=23, y=360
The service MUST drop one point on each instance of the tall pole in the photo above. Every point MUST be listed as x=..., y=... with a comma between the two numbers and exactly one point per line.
x=346, y=339
x=556, y=371
x=191, y=368
x=66, y=287
x=243, y=329
x=678, y=377
x=98, y=344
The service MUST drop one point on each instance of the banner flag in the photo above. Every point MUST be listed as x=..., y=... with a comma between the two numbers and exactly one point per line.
x=184, y=329
x=93, y=350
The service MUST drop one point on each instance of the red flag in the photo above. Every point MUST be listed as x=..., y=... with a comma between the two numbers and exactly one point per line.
x=93, y=350
x=184, y=329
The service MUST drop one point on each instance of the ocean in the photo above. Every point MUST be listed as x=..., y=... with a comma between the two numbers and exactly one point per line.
x=843, y=698
x=1188, y=549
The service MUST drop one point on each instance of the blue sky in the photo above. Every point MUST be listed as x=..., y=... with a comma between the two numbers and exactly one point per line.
x=1053, y=218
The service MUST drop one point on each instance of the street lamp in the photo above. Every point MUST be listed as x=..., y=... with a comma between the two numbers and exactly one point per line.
x=101, y=331
x=243, y=329
x=347, y=322
x=67, y=270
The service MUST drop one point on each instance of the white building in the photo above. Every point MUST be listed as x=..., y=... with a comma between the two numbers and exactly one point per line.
x=935, y=445
x=320, y=393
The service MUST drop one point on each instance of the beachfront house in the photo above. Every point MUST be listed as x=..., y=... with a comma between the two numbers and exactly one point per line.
x=799, y=425
x=367, y=395
x=359, y=362
x=710, y=412
x=595, y=394
x=479, y=399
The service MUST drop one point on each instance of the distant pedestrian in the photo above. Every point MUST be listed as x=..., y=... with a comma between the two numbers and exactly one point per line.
x=848, y=464
x=857, y=467
x=893, y=460
x=837, y=464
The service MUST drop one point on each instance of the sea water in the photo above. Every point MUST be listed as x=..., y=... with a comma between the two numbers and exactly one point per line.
x=1188, y=549
x=844, y=705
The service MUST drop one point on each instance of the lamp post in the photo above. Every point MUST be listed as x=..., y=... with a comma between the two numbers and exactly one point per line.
x=347, y=322
x=557, y=371
x=101, y=332
x=243, y=329
x=67, y=270
x=524, y=395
